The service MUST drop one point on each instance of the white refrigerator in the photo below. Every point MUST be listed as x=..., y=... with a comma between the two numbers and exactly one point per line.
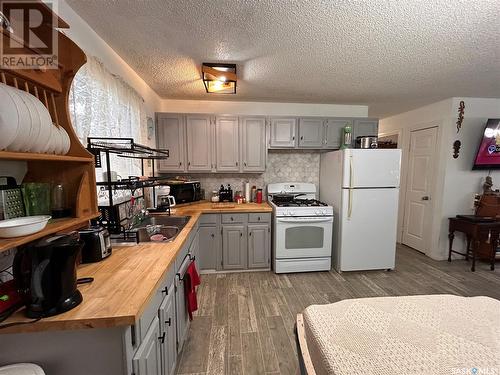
x=362, y=185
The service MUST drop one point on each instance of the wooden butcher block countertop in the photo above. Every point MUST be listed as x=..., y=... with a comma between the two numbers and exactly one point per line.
x=125, y=282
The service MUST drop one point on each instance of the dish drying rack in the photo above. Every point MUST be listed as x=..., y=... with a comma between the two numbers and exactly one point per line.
x=125, y=148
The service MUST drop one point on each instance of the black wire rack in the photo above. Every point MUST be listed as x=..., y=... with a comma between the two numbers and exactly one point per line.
x=125, y=148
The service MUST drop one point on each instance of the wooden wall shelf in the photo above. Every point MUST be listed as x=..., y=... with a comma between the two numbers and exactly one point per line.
x=8, y=155
x=54, y=226
x=52, y=87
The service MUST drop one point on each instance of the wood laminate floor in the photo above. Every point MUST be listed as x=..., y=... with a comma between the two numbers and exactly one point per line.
x=245, y=321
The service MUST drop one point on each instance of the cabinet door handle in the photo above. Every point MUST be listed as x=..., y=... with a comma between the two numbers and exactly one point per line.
x=258, y=219
x=165, y=290
x=189, y=163
x=236, y=163
x=232, y=219
x=301, y=137
x=162, y=338
x=245, y=164
x=241, y=234
x=293, y=138
x=249, y=233
x=169, y=322
x=212, y=235
x=180, y=163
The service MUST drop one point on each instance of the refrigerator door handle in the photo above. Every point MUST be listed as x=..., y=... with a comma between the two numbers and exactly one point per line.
x=351, y=173
x=351, y=177
x=349, y=208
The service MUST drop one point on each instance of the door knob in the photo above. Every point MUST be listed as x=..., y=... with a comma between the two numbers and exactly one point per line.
x=426, y=198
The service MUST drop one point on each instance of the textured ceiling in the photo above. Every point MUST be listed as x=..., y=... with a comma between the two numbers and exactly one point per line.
x=393, y=55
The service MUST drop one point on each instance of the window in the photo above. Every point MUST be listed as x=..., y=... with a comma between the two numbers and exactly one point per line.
x=103, y=105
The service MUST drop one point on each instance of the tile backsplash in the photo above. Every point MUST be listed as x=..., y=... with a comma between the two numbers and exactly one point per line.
x=282, y=166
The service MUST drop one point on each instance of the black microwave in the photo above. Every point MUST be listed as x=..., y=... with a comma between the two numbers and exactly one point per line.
x=185, y=192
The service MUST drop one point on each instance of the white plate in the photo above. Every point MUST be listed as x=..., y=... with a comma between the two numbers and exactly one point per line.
x=59, y=141
x=46, y=123
x=22, y=140
x=33, y=145
x=23, y=226
x=67, y=141
x=9, y=119
x=42, y=138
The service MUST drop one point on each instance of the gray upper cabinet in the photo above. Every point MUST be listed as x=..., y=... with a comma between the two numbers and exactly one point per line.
x=333, y=132
x=259, y=252
x=253, y=143
x=227, y=144
x=234, y=250
x=170, y=135
x=283, y=132
x=147, y=359
x=311, y=132
x=199, y=146
x=365, y=128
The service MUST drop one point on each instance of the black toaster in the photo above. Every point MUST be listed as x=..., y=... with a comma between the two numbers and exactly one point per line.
x=97, y=244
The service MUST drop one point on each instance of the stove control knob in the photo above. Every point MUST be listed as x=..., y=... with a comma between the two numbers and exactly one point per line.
x=318, y=212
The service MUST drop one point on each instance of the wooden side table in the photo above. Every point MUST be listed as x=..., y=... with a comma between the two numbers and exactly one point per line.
x=482, y=239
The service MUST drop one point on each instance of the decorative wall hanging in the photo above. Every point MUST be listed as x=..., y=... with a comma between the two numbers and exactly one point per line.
x=456, y=148
x=461, y=109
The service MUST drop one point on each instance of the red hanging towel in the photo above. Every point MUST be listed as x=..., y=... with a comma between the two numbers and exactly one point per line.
x=191, y=281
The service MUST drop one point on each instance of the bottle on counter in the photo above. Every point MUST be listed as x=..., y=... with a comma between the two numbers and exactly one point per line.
x=259, y=196
x=230, y=193
x=253, y=195
x=215, y=196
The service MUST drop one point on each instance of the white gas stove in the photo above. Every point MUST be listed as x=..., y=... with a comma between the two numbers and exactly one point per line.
x=303, y=228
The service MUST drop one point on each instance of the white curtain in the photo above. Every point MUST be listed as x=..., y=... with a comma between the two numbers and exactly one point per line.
x=103, y=105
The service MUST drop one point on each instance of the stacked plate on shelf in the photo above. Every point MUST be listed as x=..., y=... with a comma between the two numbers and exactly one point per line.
x=26, y=124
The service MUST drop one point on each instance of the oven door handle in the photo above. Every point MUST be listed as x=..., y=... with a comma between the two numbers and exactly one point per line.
x=328, y=219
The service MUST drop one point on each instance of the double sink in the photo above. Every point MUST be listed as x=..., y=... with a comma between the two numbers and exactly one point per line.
x=160, y=228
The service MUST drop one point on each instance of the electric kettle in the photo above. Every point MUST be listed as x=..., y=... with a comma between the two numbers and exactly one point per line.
x=45, y=274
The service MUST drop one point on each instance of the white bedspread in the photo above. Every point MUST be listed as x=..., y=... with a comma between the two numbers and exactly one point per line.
x=431, y=335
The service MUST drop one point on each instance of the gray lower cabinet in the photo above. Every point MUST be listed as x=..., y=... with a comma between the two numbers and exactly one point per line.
x=283, y=132
x=170, y=135
x=166, y=315
x=333, y=132
x=209, y=245
x=227, y=144
x=253, y=144
x=259, y=252
x=365, y=128
x=234, y=249
x=311, y=132
x=147, y=359
x=235, y=241
x=199, y=145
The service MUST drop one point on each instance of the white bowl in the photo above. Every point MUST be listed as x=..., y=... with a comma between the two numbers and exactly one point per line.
x=22, y=140
x=9, y=119
x=23, y=226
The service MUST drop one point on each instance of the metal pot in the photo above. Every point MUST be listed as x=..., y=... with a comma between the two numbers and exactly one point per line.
x=368, y=142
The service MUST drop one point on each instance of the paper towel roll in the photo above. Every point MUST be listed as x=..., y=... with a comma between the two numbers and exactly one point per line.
x=247, y=191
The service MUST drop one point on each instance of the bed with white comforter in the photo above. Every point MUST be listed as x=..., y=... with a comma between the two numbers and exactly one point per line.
x=431, y=335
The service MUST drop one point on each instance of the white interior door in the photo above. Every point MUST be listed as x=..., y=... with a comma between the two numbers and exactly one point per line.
x=420, y=178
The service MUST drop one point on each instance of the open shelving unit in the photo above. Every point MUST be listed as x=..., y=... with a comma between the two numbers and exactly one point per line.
x=125, y=148
x=75, y=169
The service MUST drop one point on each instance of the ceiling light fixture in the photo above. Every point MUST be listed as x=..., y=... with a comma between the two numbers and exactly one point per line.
x=219, y=78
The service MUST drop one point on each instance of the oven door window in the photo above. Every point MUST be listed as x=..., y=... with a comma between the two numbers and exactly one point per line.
x=304, y=237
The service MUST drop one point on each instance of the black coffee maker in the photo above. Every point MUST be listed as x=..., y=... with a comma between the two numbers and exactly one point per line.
x=45, y=273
